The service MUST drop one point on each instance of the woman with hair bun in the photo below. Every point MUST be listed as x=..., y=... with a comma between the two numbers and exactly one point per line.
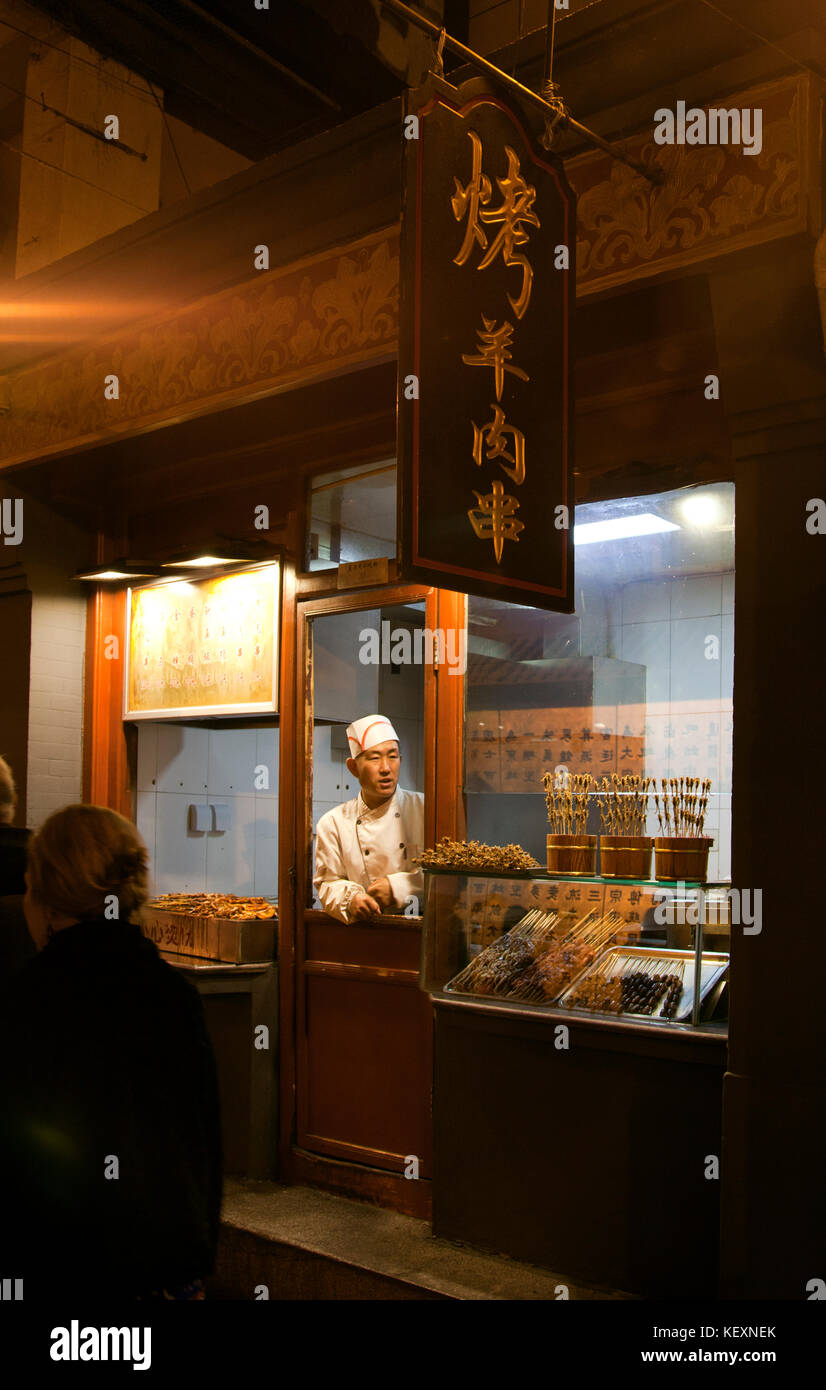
x=110, y=1148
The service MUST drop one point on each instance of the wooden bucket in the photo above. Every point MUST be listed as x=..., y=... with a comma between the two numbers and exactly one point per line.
x=682, y=857
x=625, y=856
x=572, y=854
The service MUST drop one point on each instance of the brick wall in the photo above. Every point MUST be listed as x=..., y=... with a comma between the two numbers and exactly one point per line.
x=55, y=760
x=51, y=550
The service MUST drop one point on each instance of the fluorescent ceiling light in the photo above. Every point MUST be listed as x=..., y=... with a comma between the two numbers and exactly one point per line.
x=701, y=508
x=619, y=528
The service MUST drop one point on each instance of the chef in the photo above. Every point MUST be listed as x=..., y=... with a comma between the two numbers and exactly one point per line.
x=366, y=847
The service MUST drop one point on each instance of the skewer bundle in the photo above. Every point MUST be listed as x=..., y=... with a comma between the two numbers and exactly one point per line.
x=623, y=804
x=639, y=987
x=567, y=802
x=601, y=991
x=538, y=957
x=683, y=809
x=565, y=955
x=492, y=971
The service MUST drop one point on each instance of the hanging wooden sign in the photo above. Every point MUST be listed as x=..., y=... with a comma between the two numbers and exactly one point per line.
x=486, y=502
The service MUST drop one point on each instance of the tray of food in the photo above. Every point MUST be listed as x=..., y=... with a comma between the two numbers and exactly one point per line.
x=212, y=926
x=644, y=982
x=538, y=958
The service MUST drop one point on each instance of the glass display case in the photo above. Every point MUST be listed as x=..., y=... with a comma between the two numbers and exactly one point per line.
x=631, y=951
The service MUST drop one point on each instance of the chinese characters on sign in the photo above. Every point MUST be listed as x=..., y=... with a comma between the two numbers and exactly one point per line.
x=495, y=515
x=509, y=750
x=514, y=211
x=487, y=280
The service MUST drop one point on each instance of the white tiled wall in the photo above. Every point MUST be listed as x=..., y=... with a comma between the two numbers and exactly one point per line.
x=682, y=631
x=332, y=783
x=401, y=700
x=180, y=765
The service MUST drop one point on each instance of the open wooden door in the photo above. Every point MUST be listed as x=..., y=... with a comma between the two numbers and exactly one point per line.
x=364, y=1028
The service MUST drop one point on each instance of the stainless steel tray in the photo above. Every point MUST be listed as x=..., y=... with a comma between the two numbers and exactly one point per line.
x=714, y=967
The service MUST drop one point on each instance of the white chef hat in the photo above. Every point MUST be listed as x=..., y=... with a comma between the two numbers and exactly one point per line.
x=367, y=732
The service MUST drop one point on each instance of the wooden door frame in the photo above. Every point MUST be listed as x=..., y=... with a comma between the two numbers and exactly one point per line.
x=444, y=815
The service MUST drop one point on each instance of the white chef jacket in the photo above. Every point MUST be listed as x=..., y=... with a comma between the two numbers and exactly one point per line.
x=355, y=845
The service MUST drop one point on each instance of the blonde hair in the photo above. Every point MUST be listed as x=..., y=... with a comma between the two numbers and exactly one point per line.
x=8, y=793
x=81, y=856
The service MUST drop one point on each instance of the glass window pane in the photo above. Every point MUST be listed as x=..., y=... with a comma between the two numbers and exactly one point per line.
x=352, y=515
x=638, y=680
x=365, y=663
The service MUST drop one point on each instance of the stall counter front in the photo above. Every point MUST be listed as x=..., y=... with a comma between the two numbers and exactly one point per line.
x=576, y=1108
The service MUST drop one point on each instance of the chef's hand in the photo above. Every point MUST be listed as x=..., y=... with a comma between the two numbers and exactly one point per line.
x=383, y=893
x=363, y=905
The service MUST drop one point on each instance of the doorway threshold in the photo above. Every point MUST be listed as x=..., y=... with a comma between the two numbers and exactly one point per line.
x=300, y=1243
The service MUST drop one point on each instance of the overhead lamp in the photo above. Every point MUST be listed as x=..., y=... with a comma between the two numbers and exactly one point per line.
x=202, y=562
x=123, y=570
x=214, y=554
x=620, y=528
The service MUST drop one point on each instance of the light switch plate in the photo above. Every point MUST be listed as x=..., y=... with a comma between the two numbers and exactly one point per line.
x=221, y=815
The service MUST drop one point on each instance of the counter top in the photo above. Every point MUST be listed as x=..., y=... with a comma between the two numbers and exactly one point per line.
x=198, y=966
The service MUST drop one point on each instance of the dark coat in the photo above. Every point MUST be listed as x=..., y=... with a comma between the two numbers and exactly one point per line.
x=105, y=1053
x=13, y=842
x=16, y=946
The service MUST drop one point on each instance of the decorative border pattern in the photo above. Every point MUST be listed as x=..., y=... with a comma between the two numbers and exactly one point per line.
x=287, y=326
x=714, y=198
x=338, y=309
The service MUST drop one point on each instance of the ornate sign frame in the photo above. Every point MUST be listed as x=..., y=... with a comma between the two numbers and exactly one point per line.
x=190, y=651
x=488, y=248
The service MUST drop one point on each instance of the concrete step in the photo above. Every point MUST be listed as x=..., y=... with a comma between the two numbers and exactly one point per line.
x=302, y=1243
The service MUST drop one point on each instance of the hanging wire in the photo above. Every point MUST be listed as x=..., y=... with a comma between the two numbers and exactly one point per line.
x=550, y=36
x=76, y=58
x=107, y=192
x=520, y=28
x=78, y=125
x=761, y=38
x=438, y=60
x=550, y=90
x=171, y=140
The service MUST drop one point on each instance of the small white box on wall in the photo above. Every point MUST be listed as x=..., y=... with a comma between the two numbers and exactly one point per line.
x=221, y=816
x=200, y=818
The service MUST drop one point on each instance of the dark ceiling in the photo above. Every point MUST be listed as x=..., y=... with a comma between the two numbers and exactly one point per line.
x=255, y=79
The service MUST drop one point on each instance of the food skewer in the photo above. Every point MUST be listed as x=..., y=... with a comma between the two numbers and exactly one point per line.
x=623, y=804
x=683, y=809
x=567, y=801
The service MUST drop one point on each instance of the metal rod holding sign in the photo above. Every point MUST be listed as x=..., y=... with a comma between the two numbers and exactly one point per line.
x=485, y=397
x=651, y=172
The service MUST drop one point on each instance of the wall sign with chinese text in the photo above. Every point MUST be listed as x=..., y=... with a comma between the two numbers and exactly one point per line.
x=485, y=395
x=204, y=646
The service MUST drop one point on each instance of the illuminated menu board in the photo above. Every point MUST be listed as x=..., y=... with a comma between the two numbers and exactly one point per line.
x=203, y=646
